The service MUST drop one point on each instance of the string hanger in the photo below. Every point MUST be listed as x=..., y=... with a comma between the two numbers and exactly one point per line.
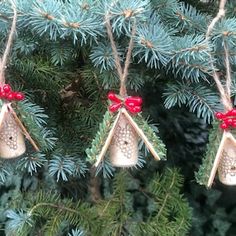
x=223, y=88
x=4, y=58
x=122, y=72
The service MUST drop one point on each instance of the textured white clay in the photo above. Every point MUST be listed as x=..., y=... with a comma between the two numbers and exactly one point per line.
x=227, y=165
x=12, y=143
x=124, y=145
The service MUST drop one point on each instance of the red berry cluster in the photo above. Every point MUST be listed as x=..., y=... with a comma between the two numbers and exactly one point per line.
x=228, y=119
x=133, y=104
x=6, y=93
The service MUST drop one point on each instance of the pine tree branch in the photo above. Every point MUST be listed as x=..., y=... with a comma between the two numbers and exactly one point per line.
x=4, y=17
x=200, y=67
x=195, y=48
x=57, y=206
x=94, y=186
x=180, y=225
x=166, y=197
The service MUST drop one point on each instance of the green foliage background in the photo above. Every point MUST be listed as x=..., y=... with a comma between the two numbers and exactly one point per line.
x=62, y=60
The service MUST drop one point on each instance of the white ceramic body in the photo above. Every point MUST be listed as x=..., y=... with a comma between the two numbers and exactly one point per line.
x=12, y=142
x=227, y=165
x=124, y=145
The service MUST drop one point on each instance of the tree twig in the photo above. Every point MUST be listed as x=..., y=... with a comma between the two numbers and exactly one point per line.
x=107, y=142
x=24, y=130
x=141, y=134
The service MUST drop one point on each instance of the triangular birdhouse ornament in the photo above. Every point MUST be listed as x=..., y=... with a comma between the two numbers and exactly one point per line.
x=225, y=161
x=123, y=149
x=12, y=143
x=221, y=150
x=120, y=133
x=123, y=126
x=12, y=132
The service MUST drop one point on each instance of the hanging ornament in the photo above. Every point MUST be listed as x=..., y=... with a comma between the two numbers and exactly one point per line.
x=12, y=131
x=124, y=144
x=221, y=151
x=12, y=143
x=223, y=143
x=121, y=141
x=123, y=126
x=225, y=160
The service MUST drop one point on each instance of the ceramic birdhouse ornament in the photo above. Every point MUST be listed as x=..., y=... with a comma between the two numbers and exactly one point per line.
x=121, y=142
x=220, y=155
x=227, y=159
x=12, y=142
x=123, y=126
x=224, y=162
x=12, y=130
x=123, y=150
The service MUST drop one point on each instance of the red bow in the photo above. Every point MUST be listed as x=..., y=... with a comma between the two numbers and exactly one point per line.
x=228, y=119
x=133, y=104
